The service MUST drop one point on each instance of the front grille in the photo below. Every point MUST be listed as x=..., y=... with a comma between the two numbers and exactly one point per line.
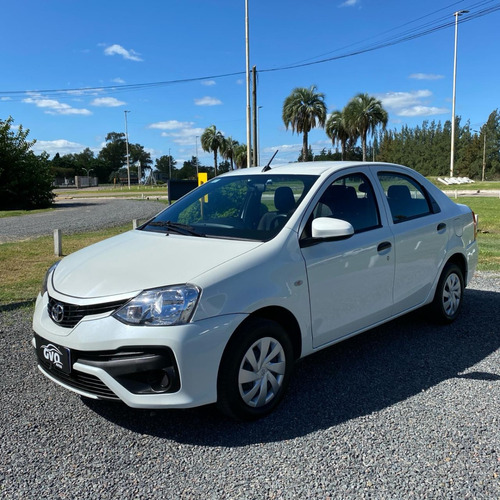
x=68, y=315
x=81, y=381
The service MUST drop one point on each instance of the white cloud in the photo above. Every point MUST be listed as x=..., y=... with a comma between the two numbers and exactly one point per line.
x=425, y=76
x=184, y=137
x=116, y=49
x=107, y=102
x=208, y=83
x=415, y=103
x=83, y=92
x=61, y=146
x=181, y=133
x=53, y=107
x=349, y=3
x=170, y=125
x=118, y=80
x=5, y=99
x=396, y=100
x=208, y=101
x=423, y=111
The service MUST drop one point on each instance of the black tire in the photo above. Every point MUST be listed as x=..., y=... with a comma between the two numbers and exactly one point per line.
x=449, y=294
x=261, y=352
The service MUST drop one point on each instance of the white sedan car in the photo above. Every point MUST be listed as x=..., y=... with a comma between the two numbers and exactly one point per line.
x=215, y=298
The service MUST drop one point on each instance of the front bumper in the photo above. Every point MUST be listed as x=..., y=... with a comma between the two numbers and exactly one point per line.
x=143, y=366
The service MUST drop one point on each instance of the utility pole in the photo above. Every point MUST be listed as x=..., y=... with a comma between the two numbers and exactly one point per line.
x=452, y=155
x=254, y=115
x=126, y=146
x=247, y=47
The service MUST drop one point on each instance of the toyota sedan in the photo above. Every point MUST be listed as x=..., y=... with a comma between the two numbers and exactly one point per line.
x=215, y=298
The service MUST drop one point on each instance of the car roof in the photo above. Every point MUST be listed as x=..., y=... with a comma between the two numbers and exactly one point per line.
x=305, y=168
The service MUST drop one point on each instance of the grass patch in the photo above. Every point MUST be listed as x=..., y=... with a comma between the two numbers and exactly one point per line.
x=14, y=213
x=488, y=237
x=118, y=191
x=24, y=263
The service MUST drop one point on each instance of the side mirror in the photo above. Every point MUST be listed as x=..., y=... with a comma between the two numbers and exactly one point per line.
x=326, y=227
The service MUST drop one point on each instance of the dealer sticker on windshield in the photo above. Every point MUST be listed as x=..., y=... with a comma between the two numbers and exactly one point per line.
x=57, y=356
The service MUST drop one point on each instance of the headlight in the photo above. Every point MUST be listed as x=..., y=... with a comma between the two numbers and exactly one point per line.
x=166, y=306
x=46, y=279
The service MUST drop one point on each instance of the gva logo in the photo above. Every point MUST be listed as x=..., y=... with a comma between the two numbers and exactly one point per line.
x=53, y=354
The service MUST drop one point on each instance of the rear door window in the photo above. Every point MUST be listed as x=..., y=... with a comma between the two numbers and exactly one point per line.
x=406, y=198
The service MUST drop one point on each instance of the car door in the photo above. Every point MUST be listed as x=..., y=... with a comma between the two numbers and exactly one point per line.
x=350, y=280
x=420, y=235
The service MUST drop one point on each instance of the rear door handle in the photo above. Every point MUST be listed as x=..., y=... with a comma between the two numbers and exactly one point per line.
x=441, y=226
x=384, y=246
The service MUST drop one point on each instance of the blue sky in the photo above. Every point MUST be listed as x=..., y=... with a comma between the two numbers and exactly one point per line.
x=85, y=62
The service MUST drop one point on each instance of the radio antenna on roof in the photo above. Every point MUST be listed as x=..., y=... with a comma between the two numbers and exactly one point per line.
x=268, y=166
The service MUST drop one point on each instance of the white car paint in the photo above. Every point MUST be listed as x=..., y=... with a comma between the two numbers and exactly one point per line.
x=332, y=290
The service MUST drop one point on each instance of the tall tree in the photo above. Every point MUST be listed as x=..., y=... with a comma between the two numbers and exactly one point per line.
x=228, y=149
x=364, y=114
x=25, y=178
x=491, y=131
x=240, y=155
x=303, y=110
x=166, y=165
x=337, y=130
x=112, y=156
x=211, y=142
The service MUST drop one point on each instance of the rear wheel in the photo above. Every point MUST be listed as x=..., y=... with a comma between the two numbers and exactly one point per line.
x=255, y=370
x=449, y=293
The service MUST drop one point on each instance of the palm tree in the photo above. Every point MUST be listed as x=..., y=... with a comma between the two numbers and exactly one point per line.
x=211, y=142
x=303, y=110
x=337, y=130
x=228, y=148
x=365, y=113
x=240, y=155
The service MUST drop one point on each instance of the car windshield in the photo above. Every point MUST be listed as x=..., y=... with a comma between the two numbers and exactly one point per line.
x=254, y=207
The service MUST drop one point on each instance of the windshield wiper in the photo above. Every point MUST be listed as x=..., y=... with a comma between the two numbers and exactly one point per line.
x=176, y=227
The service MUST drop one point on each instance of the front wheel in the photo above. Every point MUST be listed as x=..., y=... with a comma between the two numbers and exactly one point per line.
x=255, y=370
x=449, y=293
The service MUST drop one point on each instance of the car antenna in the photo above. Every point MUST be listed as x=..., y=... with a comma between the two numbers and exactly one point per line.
x=268, y=166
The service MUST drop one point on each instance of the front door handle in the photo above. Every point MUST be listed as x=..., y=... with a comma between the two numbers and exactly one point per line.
x=384, y=246
x=441, y=226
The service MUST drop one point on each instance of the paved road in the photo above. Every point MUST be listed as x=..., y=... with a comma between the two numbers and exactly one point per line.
x=408, y=410
x=74, y=216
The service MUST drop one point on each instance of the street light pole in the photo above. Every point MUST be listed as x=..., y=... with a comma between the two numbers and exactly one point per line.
x=452, y=155
x=484, y=157
x=169, y=165
x=197, y=162
x=126, y=146
x=257, y=138
x=247, y=50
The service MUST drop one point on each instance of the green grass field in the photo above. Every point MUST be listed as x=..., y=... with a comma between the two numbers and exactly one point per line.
x=488, y=212
x=24, y=263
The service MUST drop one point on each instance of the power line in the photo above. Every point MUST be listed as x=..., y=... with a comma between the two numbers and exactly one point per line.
x=410, y=34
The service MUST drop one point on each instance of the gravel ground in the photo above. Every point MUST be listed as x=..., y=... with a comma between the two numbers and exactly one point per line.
x=408, y=410
x=75, y=216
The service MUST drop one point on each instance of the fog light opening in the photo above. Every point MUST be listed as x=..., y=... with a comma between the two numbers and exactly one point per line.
x=163, y=380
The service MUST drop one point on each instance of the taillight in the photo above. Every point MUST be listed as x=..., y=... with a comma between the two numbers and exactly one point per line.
x=474, y=218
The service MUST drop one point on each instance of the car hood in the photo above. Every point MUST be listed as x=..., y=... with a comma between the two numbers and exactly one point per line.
x=138, y=260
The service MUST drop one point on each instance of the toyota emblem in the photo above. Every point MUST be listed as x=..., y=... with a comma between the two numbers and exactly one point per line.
x=57, y=312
